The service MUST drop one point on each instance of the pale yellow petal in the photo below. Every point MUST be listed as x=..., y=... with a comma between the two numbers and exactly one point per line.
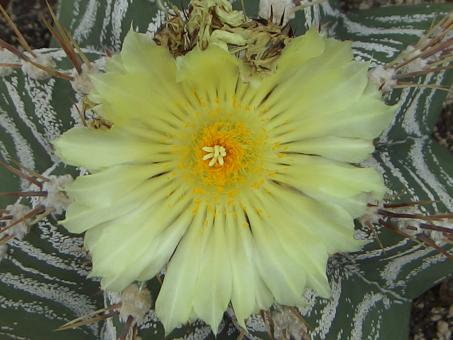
x=322, y=178
x=174, y=303
x=81, y=217
x=212, y=292
x=148, y=249
x=365, y=118
x=301, y=250
x=105, y=187
x=147, y=75
x=300, y=49
x=96, y=149
x=249, y=293
x=165, y=244
x=142, y=97
x=314, y=90
x=329, y=223
x=144, y=226
x=141, y=54
x=284, y=277
x=343, y=149
x=198, y=72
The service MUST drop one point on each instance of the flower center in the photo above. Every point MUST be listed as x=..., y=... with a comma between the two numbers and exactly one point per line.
x=224, y=150
x=214, y=154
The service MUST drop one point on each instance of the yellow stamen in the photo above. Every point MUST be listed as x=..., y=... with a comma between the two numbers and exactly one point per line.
x=215, y=154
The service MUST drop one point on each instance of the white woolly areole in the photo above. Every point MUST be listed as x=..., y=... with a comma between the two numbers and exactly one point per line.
x=371, y=214
x=56, y=199
x=36, y=73
x=6, y=57
x=438, y=236
x=383, y=78
x=416, y=65
x=409, y=226
x=82, y=83
x=135, y=302
x=17, y=211
x=279, y=9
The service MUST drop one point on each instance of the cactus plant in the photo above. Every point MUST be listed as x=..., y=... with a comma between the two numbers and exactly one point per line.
x=43, y=281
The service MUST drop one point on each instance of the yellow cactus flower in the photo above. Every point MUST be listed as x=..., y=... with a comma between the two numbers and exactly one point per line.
x=239, y=189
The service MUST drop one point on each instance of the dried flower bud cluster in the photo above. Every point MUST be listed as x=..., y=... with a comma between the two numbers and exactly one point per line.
x=257, y=42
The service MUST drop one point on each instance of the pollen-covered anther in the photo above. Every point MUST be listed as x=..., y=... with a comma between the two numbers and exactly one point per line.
x=215, y=154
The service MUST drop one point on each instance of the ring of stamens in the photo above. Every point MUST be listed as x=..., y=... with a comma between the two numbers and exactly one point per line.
x=224, y=152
